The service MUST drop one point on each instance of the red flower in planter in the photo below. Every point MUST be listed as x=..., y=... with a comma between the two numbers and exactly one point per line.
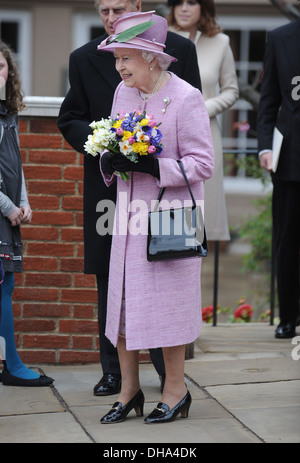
x=244, y=312
x=207, y=314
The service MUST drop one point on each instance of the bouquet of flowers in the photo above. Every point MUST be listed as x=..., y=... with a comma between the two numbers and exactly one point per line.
x=130, y=134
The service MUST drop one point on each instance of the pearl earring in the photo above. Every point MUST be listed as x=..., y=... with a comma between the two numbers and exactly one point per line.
x=151, y=68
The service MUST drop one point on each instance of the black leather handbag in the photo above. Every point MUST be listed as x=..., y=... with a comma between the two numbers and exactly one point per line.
x=176, y=233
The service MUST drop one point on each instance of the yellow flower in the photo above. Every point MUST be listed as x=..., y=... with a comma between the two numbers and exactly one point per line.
x=126, y=135
x=144, y=122
x=117, y=124
x=140, y=148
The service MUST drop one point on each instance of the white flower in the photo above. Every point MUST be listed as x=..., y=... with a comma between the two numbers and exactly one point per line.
x=90, y=146
x=141, y=136
x=125, y=147
x=102, y=137
x=102, y=124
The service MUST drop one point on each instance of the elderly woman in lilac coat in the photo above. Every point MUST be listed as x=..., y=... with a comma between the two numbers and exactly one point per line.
x=153, y=304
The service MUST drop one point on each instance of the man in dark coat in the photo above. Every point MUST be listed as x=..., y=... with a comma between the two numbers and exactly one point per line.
x=280, y=108
x=93, y=80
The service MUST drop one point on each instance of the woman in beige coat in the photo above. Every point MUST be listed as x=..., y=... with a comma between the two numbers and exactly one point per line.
x=195, y=19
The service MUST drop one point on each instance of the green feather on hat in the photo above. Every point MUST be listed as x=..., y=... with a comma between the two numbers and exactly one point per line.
x=131, y=32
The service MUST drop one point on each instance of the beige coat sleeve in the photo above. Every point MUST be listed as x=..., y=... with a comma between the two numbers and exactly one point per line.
x=228, y=85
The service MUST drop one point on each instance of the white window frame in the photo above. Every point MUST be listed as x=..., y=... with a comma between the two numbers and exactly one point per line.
x=245, y=24
x=24, y=55
x=82, y=24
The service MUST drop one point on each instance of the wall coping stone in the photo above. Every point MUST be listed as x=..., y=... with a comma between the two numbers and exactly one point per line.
x=43, y=106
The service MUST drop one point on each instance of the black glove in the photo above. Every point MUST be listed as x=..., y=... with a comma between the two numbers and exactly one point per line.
x=146, y=164
x=106, y=163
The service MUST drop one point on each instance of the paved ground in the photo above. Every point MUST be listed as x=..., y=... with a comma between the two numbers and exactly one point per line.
x=244, y=383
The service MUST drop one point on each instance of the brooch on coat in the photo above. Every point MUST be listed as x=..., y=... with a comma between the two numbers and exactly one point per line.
x=167, y=101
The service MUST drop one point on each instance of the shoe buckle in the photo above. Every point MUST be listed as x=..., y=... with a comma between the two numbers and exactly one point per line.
x=161, y=410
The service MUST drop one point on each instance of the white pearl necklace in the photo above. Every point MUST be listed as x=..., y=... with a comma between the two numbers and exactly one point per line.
x=155, y=88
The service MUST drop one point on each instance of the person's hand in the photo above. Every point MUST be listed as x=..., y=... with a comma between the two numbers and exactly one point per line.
x=146, y=164
x=27, y=214
x=266, y=160
x=106, y=163
x=15, y=217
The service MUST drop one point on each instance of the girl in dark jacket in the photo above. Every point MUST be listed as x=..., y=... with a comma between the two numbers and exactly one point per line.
x=14, y=211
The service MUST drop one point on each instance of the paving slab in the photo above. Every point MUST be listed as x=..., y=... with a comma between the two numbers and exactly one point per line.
x=27, y=400
x=207, y=422
x=242, y=371
x=241, y=338
x=42, y=428
x=244, y=383
x=271, y=410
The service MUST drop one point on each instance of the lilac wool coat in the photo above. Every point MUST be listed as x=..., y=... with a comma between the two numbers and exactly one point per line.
x=163, y=299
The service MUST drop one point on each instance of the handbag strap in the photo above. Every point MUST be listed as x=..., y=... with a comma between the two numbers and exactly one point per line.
x=161, y=191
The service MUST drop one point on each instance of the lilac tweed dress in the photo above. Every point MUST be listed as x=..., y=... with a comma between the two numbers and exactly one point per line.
x=162, y=299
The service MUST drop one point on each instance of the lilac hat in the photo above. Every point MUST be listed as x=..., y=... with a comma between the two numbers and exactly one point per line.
x=141, y=31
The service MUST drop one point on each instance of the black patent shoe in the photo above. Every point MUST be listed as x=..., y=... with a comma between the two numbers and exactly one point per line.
x=285, y=330
x=109, y=384
x=118, y=412
x=163, y=414
x=11, y=380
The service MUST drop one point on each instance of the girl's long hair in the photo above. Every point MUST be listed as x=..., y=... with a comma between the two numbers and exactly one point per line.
x=13, y=90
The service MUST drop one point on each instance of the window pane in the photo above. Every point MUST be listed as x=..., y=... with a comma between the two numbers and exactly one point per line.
x=257, y=45
x=9, y=34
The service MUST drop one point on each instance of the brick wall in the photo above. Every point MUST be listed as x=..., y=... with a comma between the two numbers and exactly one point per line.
x=55, y=304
